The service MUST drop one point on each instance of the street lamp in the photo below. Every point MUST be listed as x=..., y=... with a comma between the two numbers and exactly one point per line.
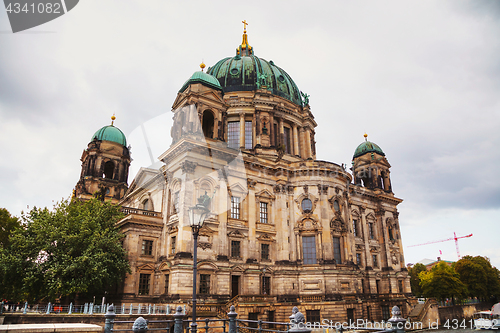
x=197, y=216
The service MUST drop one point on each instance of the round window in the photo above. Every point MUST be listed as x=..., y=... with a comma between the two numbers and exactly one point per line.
x=307, y=205
x=234, y=71
x=281, y=78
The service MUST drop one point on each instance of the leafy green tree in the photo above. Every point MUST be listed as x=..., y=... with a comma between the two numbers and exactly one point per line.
x=473, y=276
x=73, y=249
x=482, y=279
x=441, y=282
x=7, y=225
x=414, y=271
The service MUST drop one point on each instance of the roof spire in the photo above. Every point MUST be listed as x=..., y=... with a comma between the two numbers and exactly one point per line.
x=113, y=119
x=202, y=65
x=245, y=49
x=366, y=135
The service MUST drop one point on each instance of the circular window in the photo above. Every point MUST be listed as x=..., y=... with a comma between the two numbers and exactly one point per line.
x=307, y=205
x=281, y=78
x=234, y=71
x=336, y=206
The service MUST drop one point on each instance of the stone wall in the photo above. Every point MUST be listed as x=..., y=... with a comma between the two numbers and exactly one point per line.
x=461, y=312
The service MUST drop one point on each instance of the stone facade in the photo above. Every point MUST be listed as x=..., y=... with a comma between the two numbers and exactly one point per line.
x=285, y=229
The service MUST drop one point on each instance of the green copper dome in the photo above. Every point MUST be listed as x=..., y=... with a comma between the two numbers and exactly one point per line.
x=248, y=72
x=110, y=133
x=367, y=147
x=203, y=78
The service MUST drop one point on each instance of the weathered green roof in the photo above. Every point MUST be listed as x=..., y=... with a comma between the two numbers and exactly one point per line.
x=110, y=133
x=367, y=147
x=203, y=78
x=248, y=73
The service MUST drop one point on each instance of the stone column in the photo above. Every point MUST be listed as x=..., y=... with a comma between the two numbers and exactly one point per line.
x=308, y=143
x=281, y=132
x=242, y=130
x=222, y=198
x=257, y=132
x=299, y=245
x=302, y=143
x=368, y=257
x=295, y=140
x=400, y=241
x=271, y=130
x=380, y=216
x=252, y=225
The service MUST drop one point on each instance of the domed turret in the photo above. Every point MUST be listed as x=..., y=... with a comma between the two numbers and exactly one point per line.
x=367, y=147
x=370, y=167
x=105, y=165
x=110, y=133
x=203, y=78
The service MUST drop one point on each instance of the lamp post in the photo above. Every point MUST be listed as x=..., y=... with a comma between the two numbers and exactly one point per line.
x=197, y=216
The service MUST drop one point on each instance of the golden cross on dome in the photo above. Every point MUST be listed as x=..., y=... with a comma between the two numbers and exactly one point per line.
x=244, y=25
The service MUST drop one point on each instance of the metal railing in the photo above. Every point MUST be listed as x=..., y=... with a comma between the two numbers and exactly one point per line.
x=233, y=325
x=459, y=302
x=91, y=308
x=180, y=325
x=138, y=211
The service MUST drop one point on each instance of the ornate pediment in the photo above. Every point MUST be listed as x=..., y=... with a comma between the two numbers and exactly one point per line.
x=204, y=245
x=370, y=217
x=266, y=238
x=265, y=194
x=206, y=231
x=237, y=188
x=146, y=267
x=235, y=234
x=164, y=266
x=172, y=229
x=210, y=94
x=338, y=225
x=309, y=224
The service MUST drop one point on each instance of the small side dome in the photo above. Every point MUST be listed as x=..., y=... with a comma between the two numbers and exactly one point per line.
x=110, y=133
x=367, y=147
x=203, y=78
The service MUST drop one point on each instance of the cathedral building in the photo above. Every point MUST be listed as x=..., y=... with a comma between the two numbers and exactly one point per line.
x=284, y=228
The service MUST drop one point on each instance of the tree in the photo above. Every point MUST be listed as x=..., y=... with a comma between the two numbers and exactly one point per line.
x=416, y=289
x=73, y=249
x=482, y=279
x=8, y=224
x=441, y=282
x=473, y=276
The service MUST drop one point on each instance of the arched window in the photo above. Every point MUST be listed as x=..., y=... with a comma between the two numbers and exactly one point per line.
x=336, y=205
x=145, y=204
x=208, y=124
x=109, y=168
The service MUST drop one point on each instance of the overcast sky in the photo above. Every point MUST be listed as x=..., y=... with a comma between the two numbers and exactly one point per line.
x=422, y=78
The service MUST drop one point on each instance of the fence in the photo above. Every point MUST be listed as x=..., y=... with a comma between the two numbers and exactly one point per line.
x=232, y=325
x=91, y=308
x=450, y=302
x=180, y=325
